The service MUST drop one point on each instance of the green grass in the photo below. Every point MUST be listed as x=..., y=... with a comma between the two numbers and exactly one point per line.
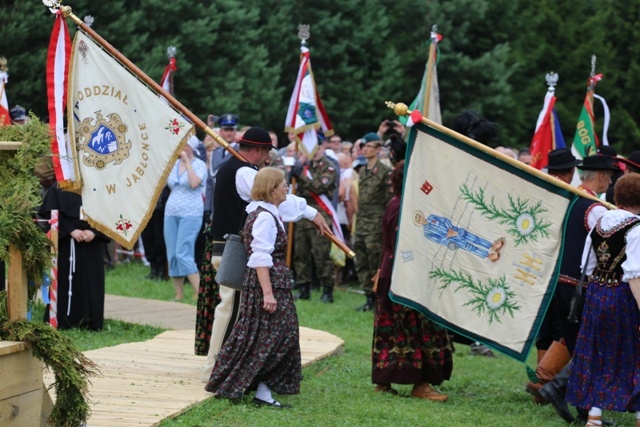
x=128, y=279
x=114, y=332
x=337, y=391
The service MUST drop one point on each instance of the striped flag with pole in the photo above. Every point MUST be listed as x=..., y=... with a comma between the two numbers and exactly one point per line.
x=428, y=100
x=306, y=114
x=585, y=141
x=57, y=81
x=548, y=135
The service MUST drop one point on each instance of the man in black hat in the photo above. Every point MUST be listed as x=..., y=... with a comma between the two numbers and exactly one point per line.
x=232, y=194
x=562, y=164
x=553, y=368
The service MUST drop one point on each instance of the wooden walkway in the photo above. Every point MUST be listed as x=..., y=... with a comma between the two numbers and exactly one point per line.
x=143, y=383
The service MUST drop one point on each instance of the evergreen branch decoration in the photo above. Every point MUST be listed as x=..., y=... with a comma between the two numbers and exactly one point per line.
x=524, y=219
x=20, y=199
x=70, y=367
x=20, y=195
x=493, y=298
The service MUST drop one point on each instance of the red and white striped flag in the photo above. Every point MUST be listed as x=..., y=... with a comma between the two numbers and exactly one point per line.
x=57, y=70
x=5, y=118
x=167, y=77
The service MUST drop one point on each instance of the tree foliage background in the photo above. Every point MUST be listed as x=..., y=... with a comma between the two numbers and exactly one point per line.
x=242, y=56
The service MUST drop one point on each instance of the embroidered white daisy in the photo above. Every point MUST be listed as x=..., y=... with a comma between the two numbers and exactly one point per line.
x=496, y=297
x=525, y=224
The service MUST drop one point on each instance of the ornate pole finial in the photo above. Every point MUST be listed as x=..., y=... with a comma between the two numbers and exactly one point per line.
x=88, y=20
x=171, y=52
x=304, y=33
x=552, y=80
x=53, y=5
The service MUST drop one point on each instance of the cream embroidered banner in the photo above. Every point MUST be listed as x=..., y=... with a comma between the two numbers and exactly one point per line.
x=125, y=138
x=478, y=242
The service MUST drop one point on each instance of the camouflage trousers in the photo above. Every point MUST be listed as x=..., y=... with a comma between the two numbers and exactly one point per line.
x=368, y=249
x=311, y=247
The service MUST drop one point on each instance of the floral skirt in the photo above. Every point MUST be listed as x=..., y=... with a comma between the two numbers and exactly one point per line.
x=208, y=299
x=605, y=371
x=407, y=347
x=263, y=347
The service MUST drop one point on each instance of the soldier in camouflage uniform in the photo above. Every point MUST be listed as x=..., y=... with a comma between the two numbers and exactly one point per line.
x=319, y=177
x=374, y=192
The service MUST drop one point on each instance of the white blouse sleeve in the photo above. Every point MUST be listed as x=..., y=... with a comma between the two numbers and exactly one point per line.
x=295, y=208
x=245, y=176
x=264, y=239
x=588, y=250
x=594, y=214
x=631, y=266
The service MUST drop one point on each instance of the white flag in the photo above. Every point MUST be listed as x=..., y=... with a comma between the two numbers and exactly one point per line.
x=127, y=140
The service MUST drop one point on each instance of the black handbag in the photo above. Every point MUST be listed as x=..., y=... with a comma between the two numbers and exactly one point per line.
x=577, y=299
x=233, y=263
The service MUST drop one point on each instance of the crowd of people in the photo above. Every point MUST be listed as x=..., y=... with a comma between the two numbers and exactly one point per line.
x=251, y=337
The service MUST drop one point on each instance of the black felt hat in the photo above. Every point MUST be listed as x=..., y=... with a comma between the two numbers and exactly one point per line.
x=598, y=163
x=256, y=137
x=561, y=158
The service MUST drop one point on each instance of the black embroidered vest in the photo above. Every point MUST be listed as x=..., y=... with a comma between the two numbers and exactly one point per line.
x=609, y=248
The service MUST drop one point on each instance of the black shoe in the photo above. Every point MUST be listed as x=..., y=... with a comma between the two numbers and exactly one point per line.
x=370, y=304
x=304, y=293
x=327, y=295
x=275, y=403
x=552, y=396
x=583, y=415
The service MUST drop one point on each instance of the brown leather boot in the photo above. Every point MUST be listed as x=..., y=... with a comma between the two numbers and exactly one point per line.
x=552, y=362
x=425, y=391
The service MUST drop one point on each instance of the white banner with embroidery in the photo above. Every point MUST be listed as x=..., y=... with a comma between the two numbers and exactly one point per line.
x=127, y=140
x=478, y=242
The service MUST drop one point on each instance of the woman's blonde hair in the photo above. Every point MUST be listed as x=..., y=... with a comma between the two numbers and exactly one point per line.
x=266, y=181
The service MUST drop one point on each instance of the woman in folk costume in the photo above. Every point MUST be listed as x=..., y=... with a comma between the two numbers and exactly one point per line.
x=263, y=351
x=407, y=347
x=606, y=361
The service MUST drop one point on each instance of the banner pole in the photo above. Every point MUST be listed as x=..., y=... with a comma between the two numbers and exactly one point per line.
x=401, y=109
x=67, y=12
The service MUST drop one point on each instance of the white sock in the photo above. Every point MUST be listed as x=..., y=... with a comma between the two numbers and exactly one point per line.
x=264, y=393
x=596, y=412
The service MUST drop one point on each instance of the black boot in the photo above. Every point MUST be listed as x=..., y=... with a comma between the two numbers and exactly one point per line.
x=153, y=273
x=327, y=294
x=370, y=304
x=554, y=392
x=304, y=292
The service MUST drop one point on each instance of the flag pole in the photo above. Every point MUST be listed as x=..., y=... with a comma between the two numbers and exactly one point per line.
x=430, y=64
x=401, y=109
x=67, y=12
x=303, y=35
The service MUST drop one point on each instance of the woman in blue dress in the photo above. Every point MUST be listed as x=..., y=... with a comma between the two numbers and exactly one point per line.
x=606, y=362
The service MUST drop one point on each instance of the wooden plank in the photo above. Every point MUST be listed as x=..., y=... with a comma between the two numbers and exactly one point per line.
x=8, y=347
x=17, y=286
x=145, y=382
x=21, y=373
x=22, y=410
x=10, y=145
